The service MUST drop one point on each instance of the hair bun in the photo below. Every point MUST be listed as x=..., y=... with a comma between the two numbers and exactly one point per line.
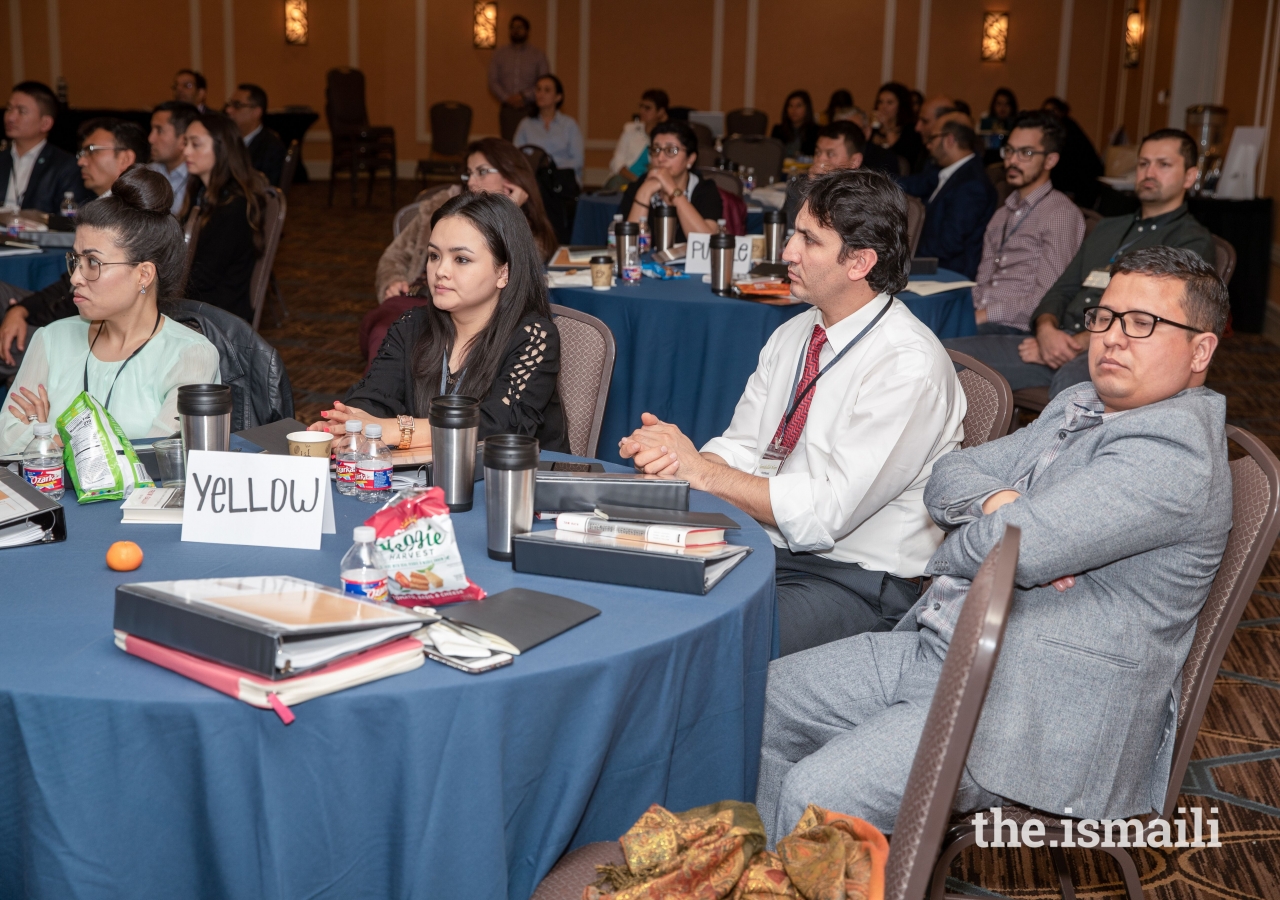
x=144, y=190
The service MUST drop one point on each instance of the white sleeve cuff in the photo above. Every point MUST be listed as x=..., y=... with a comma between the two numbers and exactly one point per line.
x=791, y=499
x=737, y=456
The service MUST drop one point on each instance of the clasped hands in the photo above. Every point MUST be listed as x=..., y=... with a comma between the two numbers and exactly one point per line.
x=1002, y=498
x=656, y=181
x=659, y=448
x=1052, y=346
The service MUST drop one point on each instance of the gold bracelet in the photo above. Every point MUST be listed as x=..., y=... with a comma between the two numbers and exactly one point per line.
x=406, y=424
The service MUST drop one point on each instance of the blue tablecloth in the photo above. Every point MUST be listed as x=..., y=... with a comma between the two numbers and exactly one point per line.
x=685, y=354
x=33, y=270
x=595, y=212
x=119, y=778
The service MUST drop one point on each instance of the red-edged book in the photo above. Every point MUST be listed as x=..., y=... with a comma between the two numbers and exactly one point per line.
x=400, y=655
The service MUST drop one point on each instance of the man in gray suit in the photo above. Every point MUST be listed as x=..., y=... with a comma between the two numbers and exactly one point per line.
x=1123, y=495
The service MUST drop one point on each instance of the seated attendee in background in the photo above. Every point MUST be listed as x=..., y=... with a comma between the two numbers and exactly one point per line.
x=959, y=197
x=833, y=461
x=227, y=194
x=673, y=152
x=1123, y=522
x=798, y=130
x=841, y=99
x=551, y=129
x=998, y=122
x=873, y=155
x=169, y=123
x=125, y=266
x=839, y=146
x=34, y=174
x=1076, y=175
x=107, y=148
x=246, y=108
x=494, y=166
x=927, y=123
x=1031, y=237
x=191, y=87
x=1054, y=357
x=631, y=156
x=487, y=333
x=895, y=123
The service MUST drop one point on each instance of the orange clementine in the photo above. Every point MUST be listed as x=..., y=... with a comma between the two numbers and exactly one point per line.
x=124, y=556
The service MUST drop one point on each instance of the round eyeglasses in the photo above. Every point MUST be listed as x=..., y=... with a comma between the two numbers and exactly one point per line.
x=1023, y=153
x=669, y=150
x=91, y=267
x=1134, y=323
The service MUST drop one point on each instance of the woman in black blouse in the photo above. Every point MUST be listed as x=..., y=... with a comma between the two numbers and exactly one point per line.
x=895, y=123
x=229, y=196
x=487, y=334
x=673, y=152
x=798, y=131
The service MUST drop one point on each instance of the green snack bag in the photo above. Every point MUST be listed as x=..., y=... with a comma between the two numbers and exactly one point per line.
x=96, y=453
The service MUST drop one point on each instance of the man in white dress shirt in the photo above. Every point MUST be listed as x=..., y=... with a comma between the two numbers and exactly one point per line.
x=839, y=427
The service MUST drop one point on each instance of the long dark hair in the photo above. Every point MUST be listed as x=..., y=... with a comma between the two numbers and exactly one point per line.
x=137, y=215
x=1013, y=104
x=840, y=99
x=514, y=167
x=788, y=128
x=506, y=233
x=232, y=174
x=906, y=115
x=534, y=111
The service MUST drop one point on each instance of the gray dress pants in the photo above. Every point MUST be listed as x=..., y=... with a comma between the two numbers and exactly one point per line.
x=841, y=726
x=1000, y=352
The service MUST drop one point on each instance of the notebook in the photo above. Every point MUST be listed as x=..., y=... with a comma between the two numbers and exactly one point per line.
x=522, y=617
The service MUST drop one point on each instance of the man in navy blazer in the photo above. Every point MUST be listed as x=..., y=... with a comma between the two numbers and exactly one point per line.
x=34, y=174
x=959, y=197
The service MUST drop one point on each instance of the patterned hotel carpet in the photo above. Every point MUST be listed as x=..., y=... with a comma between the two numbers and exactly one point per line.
x=325, y=268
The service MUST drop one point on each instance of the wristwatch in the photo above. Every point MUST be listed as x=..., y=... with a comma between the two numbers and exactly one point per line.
x=406, y=431
x=675, y=194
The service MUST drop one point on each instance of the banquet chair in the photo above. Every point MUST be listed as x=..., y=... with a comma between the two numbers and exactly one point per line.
x=746, y=121
x=734, y=212
x=949, y=726
x=450, y=128
x=1224, y=258
x=587, y=352
x=1255, y=518
x=292, y=156
x=915, y=222
x=760, y=153
x=272, y=223
x=357, y=145
x=707, y=152
x=988, y=400
x=726, y=181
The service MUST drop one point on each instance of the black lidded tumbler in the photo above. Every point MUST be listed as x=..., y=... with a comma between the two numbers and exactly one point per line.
x=775, y=235
x=721, y=264
x=510, y=473
x=205, y=411
x=455, y=420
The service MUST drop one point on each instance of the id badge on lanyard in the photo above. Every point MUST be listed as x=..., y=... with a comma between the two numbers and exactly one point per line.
x=771, y=462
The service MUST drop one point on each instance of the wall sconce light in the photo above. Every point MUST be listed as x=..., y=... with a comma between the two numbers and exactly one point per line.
x=1132, y=39
x=484, y=29
x=995, y=36
x=295, y=22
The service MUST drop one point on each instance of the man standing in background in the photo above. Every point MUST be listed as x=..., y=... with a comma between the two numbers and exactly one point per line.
x=513, y=73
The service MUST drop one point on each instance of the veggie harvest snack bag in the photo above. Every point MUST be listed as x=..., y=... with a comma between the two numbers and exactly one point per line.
x=97, y=454
x=417, y=547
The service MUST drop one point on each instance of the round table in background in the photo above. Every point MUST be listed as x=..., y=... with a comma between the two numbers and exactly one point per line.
x=595, y=211
x=33, y=271
x=122, y=778
x=685, y=354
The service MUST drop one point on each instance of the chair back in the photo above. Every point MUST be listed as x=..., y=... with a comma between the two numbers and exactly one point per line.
x=949, y=727
x=988, y=400
x=344, y=105
x=450, y=128
x=1224, y=258
x=763, y=154
x=1091, y=219
x=915, y=222
x=587, y=352
x=995, y=172
x=707, y=152
x=734, y=211
x=746, y=121
x=291, y=159
x=1255, y=524
x=726, y=181
x=272, y=224
x=404, y=215
x=190, y=234
x=537, y=157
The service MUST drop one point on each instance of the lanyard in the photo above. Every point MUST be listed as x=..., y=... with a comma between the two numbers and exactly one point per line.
x=1005, y=234
x=122, y=365
x=795, y=403
x=444, y=376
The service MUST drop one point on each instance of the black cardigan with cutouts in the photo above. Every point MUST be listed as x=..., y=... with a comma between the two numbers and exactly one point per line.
x=523, y=399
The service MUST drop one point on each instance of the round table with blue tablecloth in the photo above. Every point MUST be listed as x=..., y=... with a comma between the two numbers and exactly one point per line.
x=123, y=778
x=596, y=211
x=33, y=271
x=684, y=354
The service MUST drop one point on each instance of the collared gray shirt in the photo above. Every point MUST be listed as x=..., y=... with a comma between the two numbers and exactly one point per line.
x=177, y=180
x=515, y=69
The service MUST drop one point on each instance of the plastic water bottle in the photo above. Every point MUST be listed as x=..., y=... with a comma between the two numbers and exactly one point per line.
x=361, y=575
x=749, y=183
x=346, y=451
x=720, y=224
x=69, y=207
x=612, y=239
x=42, y=462
x=373, y=471
x=642, y=243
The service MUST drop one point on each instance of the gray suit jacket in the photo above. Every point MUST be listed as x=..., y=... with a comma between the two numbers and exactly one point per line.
x=1083, y=703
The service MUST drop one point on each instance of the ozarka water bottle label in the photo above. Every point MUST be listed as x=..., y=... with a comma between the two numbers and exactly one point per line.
x=370, y=479
x=366, y=585
x=44, y=478
x=347, y=470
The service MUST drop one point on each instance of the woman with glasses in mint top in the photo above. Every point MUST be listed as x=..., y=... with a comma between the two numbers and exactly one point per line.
x=125, y=265
x=671, y=181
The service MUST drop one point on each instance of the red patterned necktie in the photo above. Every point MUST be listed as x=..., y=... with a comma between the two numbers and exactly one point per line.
x=788, y=433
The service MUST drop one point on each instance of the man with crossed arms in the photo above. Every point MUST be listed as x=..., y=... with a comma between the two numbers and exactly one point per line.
x=840, y=425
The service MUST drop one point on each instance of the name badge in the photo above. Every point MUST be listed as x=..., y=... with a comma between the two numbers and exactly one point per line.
x=1098, y=278
x=771, y=462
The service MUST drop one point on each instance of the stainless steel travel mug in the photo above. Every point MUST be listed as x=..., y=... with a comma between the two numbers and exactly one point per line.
x=454, y=423
x=205, y=411
x=664, y=227
x=775, y=235
x=628, y=251
x=510, y=471
x=721, y=264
